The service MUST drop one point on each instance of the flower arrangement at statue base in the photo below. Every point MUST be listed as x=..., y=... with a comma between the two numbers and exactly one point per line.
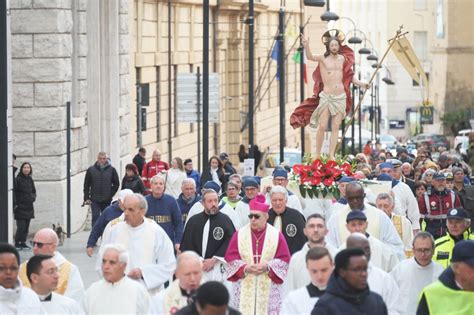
x=318, y=178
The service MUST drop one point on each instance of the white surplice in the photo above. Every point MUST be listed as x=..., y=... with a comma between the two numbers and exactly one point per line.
x=19, y=301
x=408, y=204
x=411, y=279
x=226, y=209
x=150, y=249
x=298, y=275
x=298, y=302
x=60, y=304
x=382, y=283
x=123, y=297
x=380, y=226
x=242, y=211
x=406, y=233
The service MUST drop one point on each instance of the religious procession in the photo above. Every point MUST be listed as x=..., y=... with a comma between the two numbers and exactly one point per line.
x=328, y=230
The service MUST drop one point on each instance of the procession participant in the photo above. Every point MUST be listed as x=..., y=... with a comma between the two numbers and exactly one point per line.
x=319, y=265
x=379, y=281
x=403, y=193
x=379, y=227
x=257, y=259
x=331, y=93
x=113, y=211
x=178, y=295
x=342, y=201
x=435, y=205
x=152, y=261
x=453, y=293
x=188, y=197
x=208, y=234
x=280, y=178
x=458, y=230
x=44, y=278
x=286, y=220
x=116, y=293
x=348, y=291
x=415, y=273
x=465, y=192
x=315, y=230
x=251, y=189
x=192, y=173
x=14, y=297
x=398, y=174
x=382, y=256
x=45, y=242
x=232, y=196
x=164, y=210
x=154, y=167
x=223, y=207
x=403, y=226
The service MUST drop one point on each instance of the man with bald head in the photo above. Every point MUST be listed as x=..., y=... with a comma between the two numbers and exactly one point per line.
x=154, y=167
x=189, y=271
x=379, y=224
x=152, y=260
x=379, y=281
x=45, y=242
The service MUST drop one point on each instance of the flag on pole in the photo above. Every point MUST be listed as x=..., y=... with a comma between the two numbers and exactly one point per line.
x=275, y=56
x=298, y=57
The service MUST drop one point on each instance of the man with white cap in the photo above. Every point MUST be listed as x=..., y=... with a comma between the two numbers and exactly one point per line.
x=110, y=213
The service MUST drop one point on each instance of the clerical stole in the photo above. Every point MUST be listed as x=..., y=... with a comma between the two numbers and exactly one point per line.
x=173, y=299
x=64, y=271
x=255, y=290
x=372, y=218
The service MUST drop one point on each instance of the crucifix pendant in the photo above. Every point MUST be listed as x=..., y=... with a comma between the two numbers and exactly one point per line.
x=256, y=256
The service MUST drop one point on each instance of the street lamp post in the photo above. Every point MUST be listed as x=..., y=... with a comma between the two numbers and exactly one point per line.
x=281, y=71
x=205, y=87
x=251, y=24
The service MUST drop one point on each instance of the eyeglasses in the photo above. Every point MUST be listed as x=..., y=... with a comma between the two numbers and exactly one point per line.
x=357, y=270
x=256, y=216
x=39, y=244
x=423, y=250
x=8, y=269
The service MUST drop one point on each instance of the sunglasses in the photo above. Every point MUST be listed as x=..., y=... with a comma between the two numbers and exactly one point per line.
x=39, y=244
x=255, y=216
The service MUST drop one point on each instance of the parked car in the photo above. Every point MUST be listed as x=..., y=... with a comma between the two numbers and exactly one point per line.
x=388, y=142
x=462, y=139
x=431, y=140
x=271, y=158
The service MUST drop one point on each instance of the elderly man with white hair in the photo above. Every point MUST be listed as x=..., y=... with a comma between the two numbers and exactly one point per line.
x=290, y=222
x=152, y=260
x=188, y=197
x=189, y=271
x=45, y=242
x=115, y=293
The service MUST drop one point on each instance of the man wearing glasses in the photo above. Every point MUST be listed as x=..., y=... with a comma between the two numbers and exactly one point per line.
x=70, y=282
x=413, y=274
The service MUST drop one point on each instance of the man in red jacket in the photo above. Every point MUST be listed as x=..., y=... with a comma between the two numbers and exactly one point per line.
x=154, y=167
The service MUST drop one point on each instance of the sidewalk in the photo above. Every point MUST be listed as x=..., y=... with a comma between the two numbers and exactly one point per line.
x=74, y=249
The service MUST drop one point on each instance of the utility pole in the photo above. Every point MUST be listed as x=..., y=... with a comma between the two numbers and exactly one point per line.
x=251, y=24
x=205, y=86
x=281, y=71
x=301, y=49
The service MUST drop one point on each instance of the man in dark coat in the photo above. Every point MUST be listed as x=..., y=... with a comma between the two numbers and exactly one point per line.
x=139, y=159
x=288, y=221
x=100, y=185
x=347, y=291
x=25, y=195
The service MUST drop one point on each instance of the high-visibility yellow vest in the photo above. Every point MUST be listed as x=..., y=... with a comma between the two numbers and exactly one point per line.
x=444, y=248
x=446, y=301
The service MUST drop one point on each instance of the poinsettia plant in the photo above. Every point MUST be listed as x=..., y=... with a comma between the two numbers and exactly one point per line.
x=318, y=177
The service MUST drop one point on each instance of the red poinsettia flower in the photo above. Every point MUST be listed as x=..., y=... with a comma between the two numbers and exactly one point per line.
x=315, y=181
x=328, y=181
x=346, y=168
x=316, y=165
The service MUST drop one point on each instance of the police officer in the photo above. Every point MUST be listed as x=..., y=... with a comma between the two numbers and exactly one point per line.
x=435, y=204
x=453, y=293
x=458, y=229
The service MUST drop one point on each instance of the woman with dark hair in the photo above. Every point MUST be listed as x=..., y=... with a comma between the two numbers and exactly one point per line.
x=25, y=194
x=132, y=181
x=214, y=173
x=420, y=189
x=242, y=153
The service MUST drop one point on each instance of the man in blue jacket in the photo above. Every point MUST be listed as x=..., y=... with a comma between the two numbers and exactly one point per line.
x=191, y=173
x=164, y=210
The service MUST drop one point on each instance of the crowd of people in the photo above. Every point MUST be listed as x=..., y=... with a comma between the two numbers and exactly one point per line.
x=178, y=241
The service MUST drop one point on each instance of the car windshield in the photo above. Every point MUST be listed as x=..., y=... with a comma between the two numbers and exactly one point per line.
x=388, y=138
x=291, y=158
x=439, y=137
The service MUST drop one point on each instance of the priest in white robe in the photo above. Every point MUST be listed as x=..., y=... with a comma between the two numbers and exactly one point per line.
x=319, y=266
x=385, y=202
x=14, y=297
x=382, y=256
x=116, y=293
x=257, y=259
x=180, y=292
x=413, y=274
x=44, y=278
x=379, y=281
x=45, y=242
x=280, y=178
x=380, y=225
x=152, y=261
x=316, y=231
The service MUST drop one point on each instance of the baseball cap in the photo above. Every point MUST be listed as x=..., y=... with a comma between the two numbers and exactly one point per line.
x=457, y=213
x=280, y=172
x=449, y=176
x=395, y=162
x=356, y=215
x=463, y=251
x=212, y=185
x=438, y=176
x=250, y=182
x=386, y=165
x=224, y=156
x=346, y=179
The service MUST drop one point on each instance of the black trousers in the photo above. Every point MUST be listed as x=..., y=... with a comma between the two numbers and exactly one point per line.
x=22, y=228
x=97, y=208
